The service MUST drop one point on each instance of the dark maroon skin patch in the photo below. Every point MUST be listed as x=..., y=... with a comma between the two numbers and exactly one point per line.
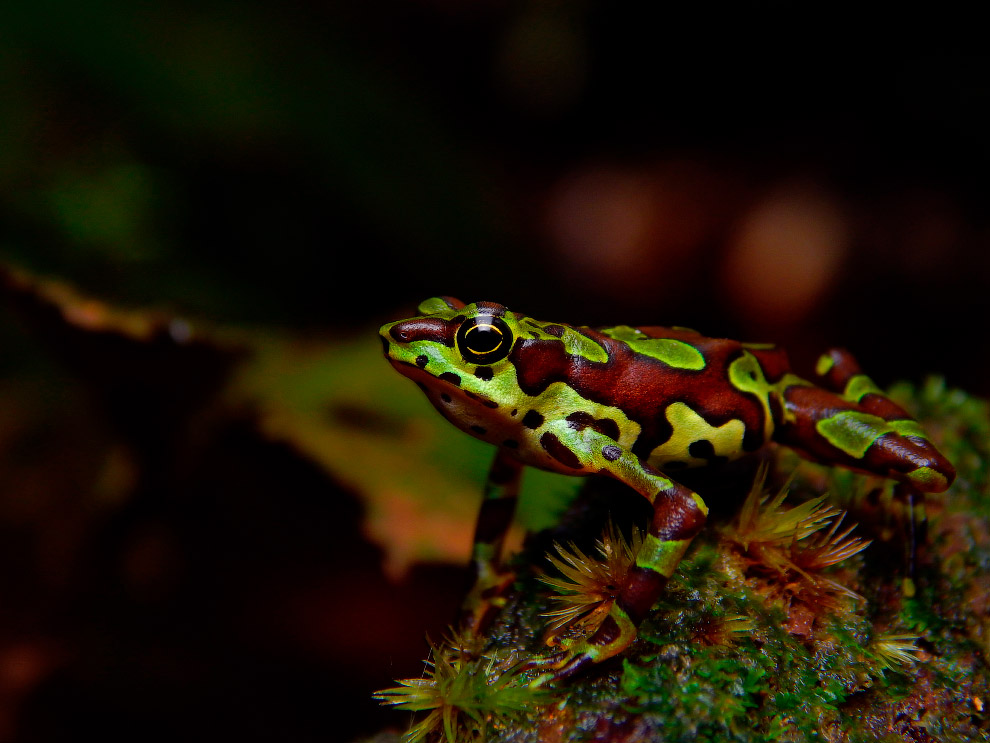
x=480, y=430
x=704, y=449
x=492, y=308
x=484, y=373
x=533, y=419
x=559, y=451
x=640, y=593
x=426, y=329
x=451, y=378
x=604, y=426
x=611, y=452
x=675, y=515
x=510, y=444
x=422, y=361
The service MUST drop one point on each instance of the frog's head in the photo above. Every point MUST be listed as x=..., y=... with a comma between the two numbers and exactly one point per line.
x=458, y=353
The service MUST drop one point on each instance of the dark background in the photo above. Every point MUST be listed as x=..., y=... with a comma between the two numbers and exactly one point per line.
x=322, y=167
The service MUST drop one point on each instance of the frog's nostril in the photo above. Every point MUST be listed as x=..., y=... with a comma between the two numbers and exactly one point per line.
x=400, y=334
x=385, y=344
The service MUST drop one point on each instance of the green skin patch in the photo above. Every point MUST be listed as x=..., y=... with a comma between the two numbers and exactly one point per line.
x=929, y=479
x=675, y=353
x=575, y=343
x=689, y=427
x=859, y=386
x=854, y=432
x=824, y=365
x=589, y=447
x=432, y=306
x=746, y=374
x=661, y=556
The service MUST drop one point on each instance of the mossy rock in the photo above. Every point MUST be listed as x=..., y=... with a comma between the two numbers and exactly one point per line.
x=735, y=651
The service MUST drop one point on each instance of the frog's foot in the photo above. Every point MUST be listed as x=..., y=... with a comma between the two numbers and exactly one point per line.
x=615, y=634
x=484, y=601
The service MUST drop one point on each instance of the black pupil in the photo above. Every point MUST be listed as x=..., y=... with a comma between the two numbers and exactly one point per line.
x=483, y=338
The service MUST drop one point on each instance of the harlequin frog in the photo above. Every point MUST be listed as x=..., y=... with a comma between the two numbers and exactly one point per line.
x=638, y=404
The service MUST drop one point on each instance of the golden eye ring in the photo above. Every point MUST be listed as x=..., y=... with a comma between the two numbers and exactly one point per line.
x=484, y=339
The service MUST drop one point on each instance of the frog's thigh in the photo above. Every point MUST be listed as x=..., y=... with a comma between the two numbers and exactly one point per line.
x=845, y=432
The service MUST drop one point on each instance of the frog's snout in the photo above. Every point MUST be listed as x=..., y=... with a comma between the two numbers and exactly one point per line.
x=395, y=336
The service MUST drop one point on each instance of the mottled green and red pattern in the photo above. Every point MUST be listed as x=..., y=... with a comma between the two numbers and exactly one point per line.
x=638, y=404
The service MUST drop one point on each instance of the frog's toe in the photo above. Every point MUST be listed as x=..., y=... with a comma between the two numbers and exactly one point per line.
x=556, y=667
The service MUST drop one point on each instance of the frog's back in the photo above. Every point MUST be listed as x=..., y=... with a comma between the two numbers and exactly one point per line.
x=690, y=399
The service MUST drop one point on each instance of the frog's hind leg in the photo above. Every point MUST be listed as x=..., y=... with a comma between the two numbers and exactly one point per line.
x=489, y=578
x=851, y=422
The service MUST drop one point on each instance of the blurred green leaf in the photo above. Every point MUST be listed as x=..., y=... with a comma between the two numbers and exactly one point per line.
x=421, y=479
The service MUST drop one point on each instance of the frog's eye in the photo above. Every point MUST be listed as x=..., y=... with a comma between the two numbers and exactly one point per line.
x=484, y=339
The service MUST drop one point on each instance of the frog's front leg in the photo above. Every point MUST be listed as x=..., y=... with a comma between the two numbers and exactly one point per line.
x=678, y=515
x=489, y=578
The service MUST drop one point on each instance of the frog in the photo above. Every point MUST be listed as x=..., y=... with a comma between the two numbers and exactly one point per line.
x=637, y=404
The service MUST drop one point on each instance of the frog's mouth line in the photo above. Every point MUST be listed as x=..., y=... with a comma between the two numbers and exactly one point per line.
x=452, y=382
x=418, y=374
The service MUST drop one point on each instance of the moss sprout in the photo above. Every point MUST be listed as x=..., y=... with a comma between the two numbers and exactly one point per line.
x=896, y=651
x=794, y=544
x=588, y=586
x=461, y=693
